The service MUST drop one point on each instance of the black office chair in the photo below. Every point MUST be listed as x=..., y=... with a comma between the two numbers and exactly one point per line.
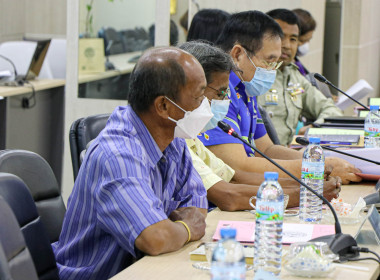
x=271, y=130
x=17, y=195
x=322, y=87
x=82, y=131
x=40, y=179
x=15, y=260
x=113, y=43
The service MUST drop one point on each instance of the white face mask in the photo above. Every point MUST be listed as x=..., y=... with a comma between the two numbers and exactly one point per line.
x=303, y=49
x=193, y=122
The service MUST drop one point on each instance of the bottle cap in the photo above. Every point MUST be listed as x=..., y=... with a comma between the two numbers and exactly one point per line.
x=314, y=140
x=374, y=108
x=228, y=232
x=270, y=175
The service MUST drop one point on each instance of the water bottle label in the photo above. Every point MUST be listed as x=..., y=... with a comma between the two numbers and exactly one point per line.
x=269, y=211
x=372, y=131
x=312, y=170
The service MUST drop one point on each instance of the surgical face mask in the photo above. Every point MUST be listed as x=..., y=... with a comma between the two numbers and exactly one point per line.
x=193, y=122
x=261, y=82
x=219, y=108
x=303, y=49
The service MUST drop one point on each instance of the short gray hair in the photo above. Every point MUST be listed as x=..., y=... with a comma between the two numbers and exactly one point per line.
x=212, y=59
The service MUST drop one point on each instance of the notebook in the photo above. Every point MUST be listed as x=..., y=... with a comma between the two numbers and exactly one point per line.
x=335, y=136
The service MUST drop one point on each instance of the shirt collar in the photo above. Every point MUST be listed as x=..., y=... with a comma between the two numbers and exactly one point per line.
x=149, y=143
x=234, y=79
x=144, y=135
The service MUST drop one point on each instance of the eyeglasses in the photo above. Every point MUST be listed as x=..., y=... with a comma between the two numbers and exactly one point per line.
x=222, y=94
x=268, y=65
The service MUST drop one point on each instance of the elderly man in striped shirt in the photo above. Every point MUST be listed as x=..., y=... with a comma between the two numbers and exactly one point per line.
x=137, y=191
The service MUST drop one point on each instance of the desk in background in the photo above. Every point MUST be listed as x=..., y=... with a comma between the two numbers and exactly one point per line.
x=177, y=265
x=38, y=129
x=111, y=84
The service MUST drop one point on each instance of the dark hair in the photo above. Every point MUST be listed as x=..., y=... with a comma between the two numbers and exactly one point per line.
x=207, y=25
x=285, y=15
x=152, y=77
x=248, y=29
x=306, y=20
x=212, y=59
x=173, y=33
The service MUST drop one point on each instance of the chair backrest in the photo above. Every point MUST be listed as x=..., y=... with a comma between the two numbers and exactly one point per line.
x=271, y=130
x=16, y=194
x=15, y=260
x=113, y=43
x=40, y=179
x=319, y=85
x=82, y=131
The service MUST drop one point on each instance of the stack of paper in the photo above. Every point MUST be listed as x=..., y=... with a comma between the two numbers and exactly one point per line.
x=359, y=90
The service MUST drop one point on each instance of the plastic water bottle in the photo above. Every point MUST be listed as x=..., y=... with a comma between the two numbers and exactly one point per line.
x=228, y=261
x=313, y=169
x=268, y=231
x=372, y=128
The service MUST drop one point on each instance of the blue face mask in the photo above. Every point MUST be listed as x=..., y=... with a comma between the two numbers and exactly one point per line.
x=261, y=82
x=219, y=108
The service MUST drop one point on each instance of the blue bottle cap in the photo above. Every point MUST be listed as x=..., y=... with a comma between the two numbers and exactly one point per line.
x=374, y=108
x=228, y=232
x=270, y=175
x=314, y=140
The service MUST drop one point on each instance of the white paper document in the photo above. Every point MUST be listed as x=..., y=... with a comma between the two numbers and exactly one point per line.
x=358, y=91
x=364, y=166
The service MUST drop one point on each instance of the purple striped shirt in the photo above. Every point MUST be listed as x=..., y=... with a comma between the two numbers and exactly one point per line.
x=124, y=185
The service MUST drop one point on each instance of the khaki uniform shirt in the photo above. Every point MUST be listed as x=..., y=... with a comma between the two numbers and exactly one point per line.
x=293, y=95
x=211, y=168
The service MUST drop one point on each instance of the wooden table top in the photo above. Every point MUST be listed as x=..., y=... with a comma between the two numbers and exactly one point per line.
x=177, y=265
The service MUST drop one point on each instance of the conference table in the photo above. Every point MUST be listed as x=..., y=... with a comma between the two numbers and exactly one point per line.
x=177, y=265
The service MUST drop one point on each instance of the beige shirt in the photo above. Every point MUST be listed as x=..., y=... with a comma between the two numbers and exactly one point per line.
x=293, y=95
x=211, y=168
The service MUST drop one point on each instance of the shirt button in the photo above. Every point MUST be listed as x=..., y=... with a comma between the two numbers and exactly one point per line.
x=163, y=160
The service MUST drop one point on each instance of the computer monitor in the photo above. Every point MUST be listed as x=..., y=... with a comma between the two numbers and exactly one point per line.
x=29, y=64
x=37, y=59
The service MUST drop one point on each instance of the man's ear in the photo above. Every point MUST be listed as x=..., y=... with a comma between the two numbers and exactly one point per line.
x=160, y=105
x=237, y=53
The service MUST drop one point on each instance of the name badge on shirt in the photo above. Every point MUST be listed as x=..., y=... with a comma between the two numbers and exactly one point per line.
x=271, y=98
x=294, y=90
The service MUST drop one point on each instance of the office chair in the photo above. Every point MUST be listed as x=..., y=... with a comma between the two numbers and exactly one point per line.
x=16, y=194
x=40, y=179
x=82, y=131
x=113, y=43
x=322, y=87
x=15, y=260
x=271, y=130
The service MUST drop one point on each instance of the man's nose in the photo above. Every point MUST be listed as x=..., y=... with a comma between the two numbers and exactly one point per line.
x=285, y=44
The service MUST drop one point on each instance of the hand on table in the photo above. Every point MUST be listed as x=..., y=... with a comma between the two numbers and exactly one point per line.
x=345, y=170
x=303, y=129
x=194, y=219
x=331, y=187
